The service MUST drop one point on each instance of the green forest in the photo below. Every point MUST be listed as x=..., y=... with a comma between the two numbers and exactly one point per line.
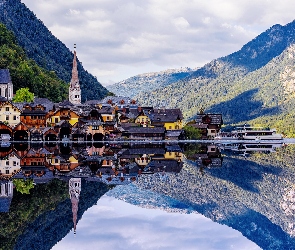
x=26, y=73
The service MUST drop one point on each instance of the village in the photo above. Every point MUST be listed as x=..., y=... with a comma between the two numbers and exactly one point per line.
x=112, y=118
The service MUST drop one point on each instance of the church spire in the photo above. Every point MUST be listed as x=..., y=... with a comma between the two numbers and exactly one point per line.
x=74, y=89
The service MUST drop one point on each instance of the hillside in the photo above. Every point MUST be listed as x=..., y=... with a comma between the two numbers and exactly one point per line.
x=40, y=45
x=148, y=82
x=26, y=73
x=253, y=85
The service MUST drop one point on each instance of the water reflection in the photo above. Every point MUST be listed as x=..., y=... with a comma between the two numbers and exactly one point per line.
x=249, y=187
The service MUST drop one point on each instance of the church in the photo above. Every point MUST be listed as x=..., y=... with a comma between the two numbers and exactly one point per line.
x=74, y=88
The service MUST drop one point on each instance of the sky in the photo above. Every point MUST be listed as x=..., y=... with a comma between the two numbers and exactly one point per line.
x=118, y=39
x=116, y=225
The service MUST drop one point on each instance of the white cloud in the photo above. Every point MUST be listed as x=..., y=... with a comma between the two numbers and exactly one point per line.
x=112, y=35
x=114, y=224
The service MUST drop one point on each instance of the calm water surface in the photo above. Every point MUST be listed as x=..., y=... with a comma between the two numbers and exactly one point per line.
x=148, y=196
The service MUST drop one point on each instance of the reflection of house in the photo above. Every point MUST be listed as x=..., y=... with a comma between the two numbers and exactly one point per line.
x=9, y=165
x=5, y=129
x=6, y=194
x=208, y=156
x=211, y=122
x=21, y=132
x=163, y=166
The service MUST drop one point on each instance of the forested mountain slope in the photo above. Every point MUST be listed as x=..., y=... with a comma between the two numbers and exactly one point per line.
x=41, y=46
x=253, y=85
x=26, y=73
x=148, y=82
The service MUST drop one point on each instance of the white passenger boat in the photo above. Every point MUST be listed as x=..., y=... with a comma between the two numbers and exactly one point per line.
x=257, y=133
x=250, y=133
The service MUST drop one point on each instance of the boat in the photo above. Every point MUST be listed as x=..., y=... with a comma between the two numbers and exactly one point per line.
x=256, y=147
x=257, y=133
x=226, y=136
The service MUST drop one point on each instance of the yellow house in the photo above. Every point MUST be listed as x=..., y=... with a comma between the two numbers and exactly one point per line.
x=9, y=113
x=171, y=119
x=143, y=120
x=63, y=114
x=173, y=156
x=107, y=113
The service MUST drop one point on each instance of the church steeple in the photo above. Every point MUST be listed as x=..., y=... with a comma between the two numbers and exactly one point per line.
x=74, y=89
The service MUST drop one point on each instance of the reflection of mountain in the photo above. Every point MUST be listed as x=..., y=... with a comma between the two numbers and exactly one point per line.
x=54, y=224
x=253, y=198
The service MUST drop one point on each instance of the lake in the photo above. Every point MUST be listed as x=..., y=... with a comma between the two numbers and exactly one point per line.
x=147, y=196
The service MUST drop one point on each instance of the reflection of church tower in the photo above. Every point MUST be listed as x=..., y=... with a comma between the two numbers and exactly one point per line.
x=74, y=191
x=74, y=89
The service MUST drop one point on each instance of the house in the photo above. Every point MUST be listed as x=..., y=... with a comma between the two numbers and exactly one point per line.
x=9, y=113
x=211, y=122
x=34, y=115
x=171, y=119
x=6, y=86
x=146, y=133
x=64, y=112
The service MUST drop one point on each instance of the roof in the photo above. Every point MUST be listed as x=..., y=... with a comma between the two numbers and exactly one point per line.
x=146, y=130
x=163, y=111
x=214, y=118
x=45, y=103
x=164, y=117
x=66, y=103
x=4, y=76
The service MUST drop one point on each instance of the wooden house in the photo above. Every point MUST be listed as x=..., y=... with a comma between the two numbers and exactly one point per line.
x=146, y=133
x=213, y=123
x=34, y=116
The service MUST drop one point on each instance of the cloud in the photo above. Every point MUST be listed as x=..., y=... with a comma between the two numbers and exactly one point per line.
x=114, y=224
x=112, y=35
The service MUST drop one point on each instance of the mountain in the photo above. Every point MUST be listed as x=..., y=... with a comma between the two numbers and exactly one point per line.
x=43, y=47
x=148, y=82
x=253, y=85
x=25, y=72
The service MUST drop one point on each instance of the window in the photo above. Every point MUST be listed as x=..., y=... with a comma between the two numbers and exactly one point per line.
x=14, y=117
x=7, y=163
x=7, y=171
x=7, y=118
x=7, y=108
x=56, y=120
x=14, y=163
